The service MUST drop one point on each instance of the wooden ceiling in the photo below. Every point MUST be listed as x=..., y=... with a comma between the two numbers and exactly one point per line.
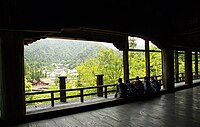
x=169, y=24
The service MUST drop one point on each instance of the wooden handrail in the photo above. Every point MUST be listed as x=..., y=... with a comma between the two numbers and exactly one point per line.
x=81, y=95
x=44, y=92
x=52, y=99
x=181, y=78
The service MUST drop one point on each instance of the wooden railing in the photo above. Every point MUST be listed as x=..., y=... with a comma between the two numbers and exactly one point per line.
x=181, y=78
x=81, y=95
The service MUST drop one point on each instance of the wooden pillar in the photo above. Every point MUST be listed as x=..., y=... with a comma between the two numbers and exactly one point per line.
x=168, y=69
x=125, y=60
x=196, y=65
x=176, y=66
x=100, y=83
x=12, y=88
x=147, y=58
x=188, y=68
x=62, y=86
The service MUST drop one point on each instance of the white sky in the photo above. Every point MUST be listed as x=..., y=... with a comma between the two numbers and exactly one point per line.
x=139, y=41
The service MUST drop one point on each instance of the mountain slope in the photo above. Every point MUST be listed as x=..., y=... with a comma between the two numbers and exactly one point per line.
x=48, y=51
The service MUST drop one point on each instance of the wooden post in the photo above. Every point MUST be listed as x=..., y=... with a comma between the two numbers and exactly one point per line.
x=81, y=94
x=106, y=94
x=147, y=59
x=162, y=70
x=196, y=65
x=52, y=99
x=176, y=66
x=100, y=83
x=62, y=86
x=188, y=68
x=125, y=60
x=168, y=69
x=12, y=87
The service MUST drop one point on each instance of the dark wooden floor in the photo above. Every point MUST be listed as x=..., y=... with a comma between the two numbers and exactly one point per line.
x=179, y=109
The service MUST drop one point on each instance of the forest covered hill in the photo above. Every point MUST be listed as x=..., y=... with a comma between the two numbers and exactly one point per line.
x=69, y=52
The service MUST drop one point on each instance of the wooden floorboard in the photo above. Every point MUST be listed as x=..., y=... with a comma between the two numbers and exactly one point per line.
x=179, y=109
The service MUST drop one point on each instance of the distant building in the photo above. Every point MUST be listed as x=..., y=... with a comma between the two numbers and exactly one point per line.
x=57, y=72
x=43, y=82
x=72, y=74
x=72, y=71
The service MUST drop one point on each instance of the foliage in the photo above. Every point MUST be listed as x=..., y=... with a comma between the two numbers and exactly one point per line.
x=28, y=86
x=132, y=43
x=136, y=64
x=155, y=62
x=107, y=62
x=181, y=61
x=43, y=54
x=33, y=72
x=49, y=51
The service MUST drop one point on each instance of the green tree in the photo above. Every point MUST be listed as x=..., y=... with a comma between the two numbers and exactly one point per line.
x=181, y=61
x=155, y=62
x=132, y=43
x=136, y=64
x=107, y=62
x=28, y=86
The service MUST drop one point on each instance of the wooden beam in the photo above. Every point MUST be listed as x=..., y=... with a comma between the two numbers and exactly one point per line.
x=176, y=66
x=12, y=87
x=168, y=69
x=188, y=68
x=125, y=60
x=147, y=58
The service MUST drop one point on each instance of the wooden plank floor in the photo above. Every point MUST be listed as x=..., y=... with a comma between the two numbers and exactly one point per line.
x=179, y=109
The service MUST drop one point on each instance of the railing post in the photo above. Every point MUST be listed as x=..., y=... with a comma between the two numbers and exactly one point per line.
x=81, y=94
x=52, y=99
x=105, y=90
x=100, y=83
x=62, y=86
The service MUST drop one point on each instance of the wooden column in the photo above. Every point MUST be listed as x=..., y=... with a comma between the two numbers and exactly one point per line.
x=196, y=65
x=62, y=86
x=147, y=58
x=168, y=69
x=176, y=66
x=12, y=88
x=125, y=60
x=100, y=83
x=188, y=68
